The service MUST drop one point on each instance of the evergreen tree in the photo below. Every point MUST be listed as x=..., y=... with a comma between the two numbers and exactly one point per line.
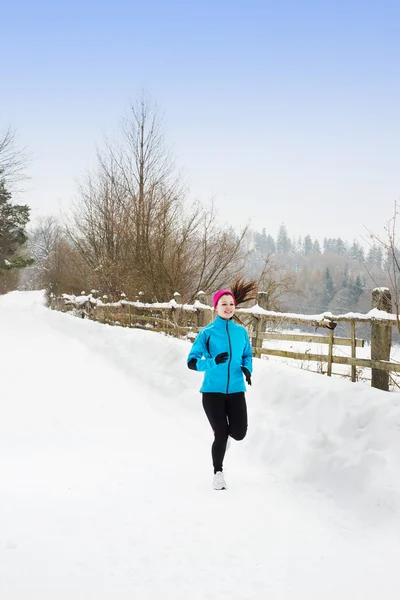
x=388, y=264
x=283, y=243
x=260, y=241
x=340, y=247
x=327, y=245
x=379, y=257
x=374, y=256
x=371, y=256
x=297, y=244
x=270, y=245
x=346, y=276
x=357, y=289
x=13, y=220
x=333, y=245
x=316, y=247
x=263, y=243
x=391, y=261
x=329, y=290
x=308, y=245
x=356, y=252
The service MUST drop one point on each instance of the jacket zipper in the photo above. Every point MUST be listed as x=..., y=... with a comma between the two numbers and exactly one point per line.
x=230, y=356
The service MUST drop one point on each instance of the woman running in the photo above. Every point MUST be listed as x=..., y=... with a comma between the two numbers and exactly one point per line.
x=222, y=351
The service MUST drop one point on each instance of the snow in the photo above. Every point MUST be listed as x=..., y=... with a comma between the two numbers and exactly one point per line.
x=105, y=488
x=373, y=314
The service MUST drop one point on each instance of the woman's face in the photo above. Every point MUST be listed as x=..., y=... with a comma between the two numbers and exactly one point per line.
x=225, y=307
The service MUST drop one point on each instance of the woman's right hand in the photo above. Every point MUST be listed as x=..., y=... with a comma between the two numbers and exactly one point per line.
x=221, y=358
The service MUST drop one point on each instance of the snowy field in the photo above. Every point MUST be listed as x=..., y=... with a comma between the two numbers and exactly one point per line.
x=105, y=487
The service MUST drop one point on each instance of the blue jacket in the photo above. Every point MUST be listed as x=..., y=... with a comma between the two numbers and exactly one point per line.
x=222, y=336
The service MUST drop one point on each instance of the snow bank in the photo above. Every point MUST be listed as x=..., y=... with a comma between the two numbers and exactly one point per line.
x=22, y=300
x=342, y=439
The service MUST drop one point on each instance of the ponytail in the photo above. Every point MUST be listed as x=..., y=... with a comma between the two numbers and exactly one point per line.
x=244, y=292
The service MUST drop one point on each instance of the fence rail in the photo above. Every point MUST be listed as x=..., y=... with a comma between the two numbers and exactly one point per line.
x=311, y=339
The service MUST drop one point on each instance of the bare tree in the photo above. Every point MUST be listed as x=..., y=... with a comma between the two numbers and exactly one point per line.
x=66, y=271
x=13, y=160
x=216, y=256
x=133, y=227
x=41, y=245
x=390, y=245
x=148, y=176
x=277, y=282
x=58, y=265
x=99, y=227
x=192, y=253
x=122, y=203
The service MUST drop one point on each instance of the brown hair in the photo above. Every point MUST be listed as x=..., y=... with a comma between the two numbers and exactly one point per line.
x=244, y=292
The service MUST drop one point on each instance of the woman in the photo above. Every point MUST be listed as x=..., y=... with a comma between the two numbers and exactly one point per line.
x=222, y=351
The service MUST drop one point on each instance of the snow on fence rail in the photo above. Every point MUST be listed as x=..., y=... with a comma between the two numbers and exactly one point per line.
x=185, y=320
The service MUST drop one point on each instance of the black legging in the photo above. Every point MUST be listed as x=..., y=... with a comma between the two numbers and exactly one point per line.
x=227, y=414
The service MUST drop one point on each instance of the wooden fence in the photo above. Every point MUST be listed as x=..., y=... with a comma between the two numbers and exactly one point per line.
x=185, y=320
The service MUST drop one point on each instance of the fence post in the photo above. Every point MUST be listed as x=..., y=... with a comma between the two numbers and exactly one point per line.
x=88, y=307
x=353, y=349
x=123, y=308
x=176, y=313
x=330, y=352
x=258, y=325
x=381, y=338
x=204, y=316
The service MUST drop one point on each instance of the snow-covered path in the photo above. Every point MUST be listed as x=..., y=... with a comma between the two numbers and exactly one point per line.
x=105, y=483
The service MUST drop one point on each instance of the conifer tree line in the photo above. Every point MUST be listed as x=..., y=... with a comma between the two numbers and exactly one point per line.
x=133, y=229
x=283, y=244
x=313, y=276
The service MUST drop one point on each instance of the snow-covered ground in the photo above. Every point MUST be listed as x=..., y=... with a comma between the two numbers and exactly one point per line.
x=105, y=486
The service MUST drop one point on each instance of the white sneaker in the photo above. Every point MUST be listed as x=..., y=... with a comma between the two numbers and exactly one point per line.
x=219, y=481
x=228, y=443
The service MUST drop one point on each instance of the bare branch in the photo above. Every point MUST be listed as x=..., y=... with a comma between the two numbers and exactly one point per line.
x=13, y=160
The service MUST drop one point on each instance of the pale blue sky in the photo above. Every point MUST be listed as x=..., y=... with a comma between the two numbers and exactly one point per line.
x=283, y=111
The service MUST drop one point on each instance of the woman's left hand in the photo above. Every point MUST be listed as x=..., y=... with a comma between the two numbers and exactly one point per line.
x=247, y=374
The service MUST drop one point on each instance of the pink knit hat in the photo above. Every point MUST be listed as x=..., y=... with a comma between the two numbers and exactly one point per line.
x=220, y=293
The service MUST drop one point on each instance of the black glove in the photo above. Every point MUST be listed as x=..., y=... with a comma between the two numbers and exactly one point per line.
x=247, y=374
x=192, y=364
x=221, y=358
